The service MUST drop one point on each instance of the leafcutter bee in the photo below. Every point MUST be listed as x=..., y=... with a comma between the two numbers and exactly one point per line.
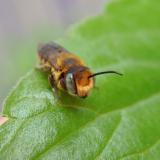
x=67, y=71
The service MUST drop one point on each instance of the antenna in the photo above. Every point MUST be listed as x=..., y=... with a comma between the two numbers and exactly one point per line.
x=104, y=72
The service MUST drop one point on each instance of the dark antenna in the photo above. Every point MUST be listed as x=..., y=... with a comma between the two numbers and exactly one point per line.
x=105, y=72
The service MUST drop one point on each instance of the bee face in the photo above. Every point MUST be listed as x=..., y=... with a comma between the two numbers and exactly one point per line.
x=78, y=83
x=70, y=84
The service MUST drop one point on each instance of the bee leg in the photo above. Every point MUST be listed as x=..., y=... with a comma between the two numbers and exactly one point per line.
x=43, y=68
x=51, y=81
x=53, y=85
x=97, y=88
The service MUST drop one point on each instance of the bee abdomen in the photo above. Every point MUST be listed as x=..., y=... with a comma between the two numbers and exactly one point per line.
x=45, y=51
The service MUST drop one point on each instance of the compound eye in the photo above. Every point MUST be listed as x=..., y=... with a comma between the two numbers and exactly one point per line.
x=70, y=84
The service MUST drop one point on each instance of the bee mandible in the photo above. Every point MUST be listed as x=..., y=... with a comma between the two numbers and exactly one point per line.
x=67, y=71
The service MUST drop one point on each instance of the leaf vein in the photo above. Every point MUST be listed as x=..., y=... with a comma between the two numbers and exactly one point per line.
x=13, y=137
x=116, y=128
x=145, y=150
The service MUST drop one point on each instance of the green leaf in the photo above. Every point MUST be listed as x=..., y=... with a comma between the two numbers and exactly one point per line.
x=120, y=119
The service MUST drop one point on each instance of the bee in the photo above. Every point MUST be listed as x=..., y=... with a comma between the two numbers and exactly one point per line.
x=67, y=71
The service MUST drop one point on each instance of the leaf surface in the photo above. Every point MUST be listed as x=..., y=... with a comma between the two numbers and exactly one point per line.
x=120, y=118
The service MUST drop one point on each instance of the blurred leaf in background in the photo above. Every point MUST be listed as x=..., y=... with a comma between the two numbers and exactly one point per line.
x=120, y=120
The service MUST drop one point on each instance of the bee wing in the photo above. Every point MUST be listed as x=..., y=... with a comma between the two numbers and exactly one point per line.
x=50, y=48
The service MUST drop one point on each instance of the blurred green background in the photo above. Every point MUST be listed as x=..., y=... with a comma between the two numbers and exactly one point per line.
x=24, y=24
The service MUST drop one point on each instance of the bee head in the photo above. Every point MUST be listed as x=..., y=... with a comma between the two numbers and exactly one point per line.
x=78, y=82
